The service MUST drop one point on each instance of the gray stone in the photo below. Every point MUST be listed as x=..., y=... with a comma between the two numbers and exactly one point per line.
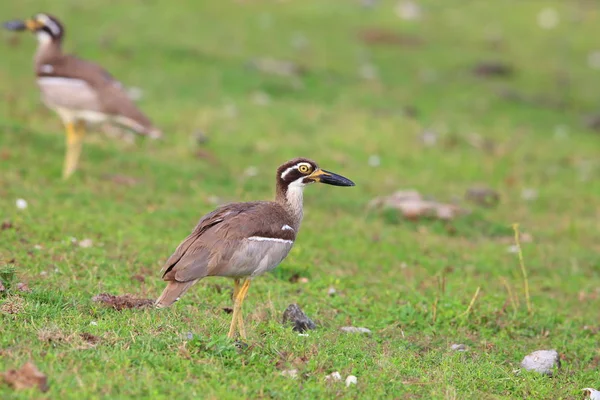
x=541, y=361
x=459, y=347
x=293, y=315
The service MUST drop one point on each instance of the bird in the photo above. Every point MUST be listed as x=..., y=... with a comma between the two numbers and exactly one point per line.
x=244, y=240
x=79, y=91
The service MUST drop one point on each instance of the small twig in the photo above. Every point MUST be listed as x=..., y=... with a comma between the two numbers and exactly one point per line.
x=510, y=294
x=523, y=269
x=466, y=313
x=435, y=303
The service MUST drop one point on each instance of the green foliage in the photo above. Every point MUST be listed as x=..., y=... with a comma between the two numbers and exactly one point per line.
x=409, y=282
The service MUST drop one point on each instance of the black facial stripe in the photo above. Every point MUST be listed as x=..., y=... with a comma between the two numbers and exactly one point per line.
x=47, y=30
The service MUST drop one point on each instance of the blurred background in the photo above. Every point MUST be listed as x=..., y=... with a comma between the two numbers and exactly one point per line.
x=488, y=110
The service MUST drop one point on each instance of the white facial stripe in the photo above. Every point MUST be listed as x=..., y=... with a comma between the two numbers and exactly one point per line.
x=54, y=28
x=287, y=171
x=287, y=228
x=295, y=167
x=268, y=239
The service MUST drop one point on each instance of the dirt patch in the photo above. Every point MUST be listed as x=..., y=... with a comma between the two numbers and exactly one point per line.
x=13, y=305
x=389, y=38
x=27, y=377
x=122, y=302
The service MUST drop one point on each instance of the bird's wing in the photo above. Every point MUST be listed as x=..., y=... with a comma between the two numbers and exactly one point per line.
x=192, y=257
x=111, y=96
x=211, y=245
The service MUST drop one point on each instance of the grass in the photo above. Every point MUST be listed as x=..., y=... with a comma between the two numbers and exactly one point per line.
x=413, y=284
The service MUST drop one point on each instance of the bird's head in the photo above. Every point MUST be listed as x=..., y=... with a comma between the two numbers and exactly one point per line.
x=300, y=172
x=46, y=27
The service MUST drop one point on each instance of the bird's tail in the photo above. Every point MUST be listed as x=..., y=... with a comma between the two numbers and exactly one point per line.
x=173, y=292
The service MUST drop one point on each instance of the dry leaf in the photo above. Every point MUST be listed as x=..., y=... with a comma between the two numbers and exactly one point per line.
x=122, y=302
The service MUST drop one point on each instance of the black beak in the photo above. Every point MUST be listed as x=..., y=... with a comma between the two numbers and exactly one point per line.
x=15, y=25
x=334, y=179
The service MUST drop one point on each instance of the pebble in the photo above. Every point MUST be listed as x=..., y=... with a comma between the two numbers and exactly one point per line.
x=355, y=329
x=541, y=361
x=21, y=204
x=85, y=243
x=334, y=377
x=351, y=380
x=290, y=373
x=592, y=394
x=331, y=291
x=459, y=347
x=293, y=315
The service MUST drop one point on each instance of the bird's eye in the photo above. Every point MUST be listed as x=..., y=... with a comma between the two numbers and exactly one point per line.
x=304, y=168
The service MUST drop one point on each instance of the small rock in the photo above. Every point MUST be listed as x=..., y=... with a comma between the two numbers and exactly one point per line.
x=200, y=137
x=529, y=194
x=85, y=243
x=459, y=347
x=483, y=196
x=189, y=335
x=21, y=204
x=541, y=361
x=492, y=68
x=355, y=329
x=351, y=380
x=290, y=373
x=334, y=377
x=374, y=161
x=592, y=394
x=251, y=171
x=548, y=18
x=368, y=72
x=429, y=138
x=261, y=98
x=304, y=334
x=331, y=291
x=295, y=316
x=408, y=10
x=513, y=249
x=37, y=247
x=93, y=323
x=303, y=279
x=594, y=59
x=22, y=287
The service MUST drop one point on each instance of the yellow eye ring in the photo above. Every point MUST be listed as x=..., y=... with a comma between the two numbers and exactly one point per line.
x=305, y=169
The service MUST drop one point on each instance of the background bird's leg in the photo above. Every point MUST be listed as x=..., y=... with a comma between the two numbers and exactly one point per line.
x=75, y=134
x=239, y=294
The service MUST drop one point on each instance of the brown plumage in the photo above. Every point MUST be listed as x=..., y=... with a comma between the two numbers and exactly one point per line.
x=78, y=90
x=244, y=240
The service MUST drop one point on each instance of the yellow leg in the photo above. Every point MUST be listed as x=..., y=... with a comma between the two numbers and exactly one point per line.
x=75, y=134
x=237, y=318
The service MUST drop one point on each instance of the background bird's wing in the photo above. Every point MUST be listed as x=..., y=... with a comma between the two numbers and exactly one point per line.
x=111, y=95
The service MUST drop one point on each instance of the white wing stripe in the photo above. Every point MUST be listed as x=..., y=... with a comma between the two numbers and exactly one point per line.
x=268, y=239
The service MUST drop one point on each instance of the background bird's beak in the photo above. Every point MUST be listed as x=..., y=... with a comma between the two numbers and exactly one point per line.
x=330, y=178
x=15, y=25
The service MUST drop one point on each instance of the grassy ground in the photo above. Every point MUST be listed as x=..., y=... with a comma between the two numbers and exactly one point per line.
x=409, y=282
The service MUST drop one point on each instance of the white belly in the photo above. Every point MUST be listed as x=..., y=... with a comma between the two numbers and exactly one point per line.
x=256, y=256
x=72, y=99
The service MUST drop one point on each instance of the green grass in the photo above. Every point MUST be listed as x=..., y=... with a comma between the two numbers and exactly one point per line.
x=390, y=274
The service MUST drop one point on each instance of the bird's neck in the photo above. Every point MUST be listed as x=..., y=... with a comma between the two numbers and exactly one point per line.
x=47, y=46
x=291, y=198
